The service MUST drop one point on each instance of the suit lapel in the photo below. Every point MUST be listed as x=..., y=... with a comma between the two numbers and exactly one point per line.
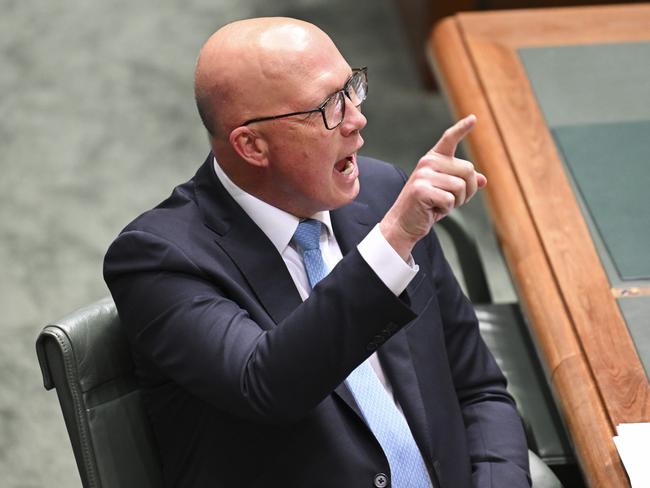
x=265, y=271
x=257, y=258
x=396, y=360
x=351, y=224
x=246, y=244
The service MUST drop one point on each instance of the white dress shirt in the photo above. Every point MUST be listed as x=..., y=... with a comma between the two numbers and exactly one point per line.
x=279, y=226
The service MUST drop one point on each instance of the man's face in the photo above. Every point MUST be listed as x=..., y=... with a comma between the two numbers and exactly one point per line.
x=310, y=167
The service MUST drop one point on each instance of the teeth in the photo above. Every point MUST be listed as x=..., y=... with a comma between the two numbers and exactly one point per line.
x=348, y=168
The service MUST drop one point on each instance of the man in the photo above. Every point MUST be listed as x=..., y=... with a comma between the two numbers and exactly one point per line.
x=352, y=361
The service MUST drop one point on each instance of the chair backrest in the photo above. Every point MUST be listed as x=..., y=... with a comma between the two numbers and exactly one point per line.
x=469, y=258
x=86, y=357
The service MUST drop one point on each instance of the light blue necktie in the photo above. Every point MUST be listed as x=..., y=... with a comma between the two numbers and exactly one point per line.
x=384, y=419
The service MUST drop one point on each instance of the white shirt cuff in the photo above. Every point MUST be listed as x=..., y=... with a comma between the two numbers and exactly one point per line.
x=395, y=273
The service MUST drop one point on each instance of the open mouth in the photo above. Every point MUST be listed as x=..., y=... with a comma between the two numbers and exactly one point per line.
x=345, y=166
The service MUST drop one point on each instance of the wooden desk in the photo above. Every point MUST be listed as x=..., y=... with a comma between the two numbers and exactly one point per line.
x=419, y=15
x=583, y=339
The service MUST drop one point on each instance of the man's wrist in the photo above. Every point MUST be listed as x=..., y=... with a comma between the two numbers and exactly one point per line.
x=398, y=241
x=394, y=271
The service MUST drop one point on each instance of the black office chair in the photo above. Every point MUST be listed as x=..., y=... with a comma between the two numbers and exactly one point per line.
x=506, y=333
x=86, y=357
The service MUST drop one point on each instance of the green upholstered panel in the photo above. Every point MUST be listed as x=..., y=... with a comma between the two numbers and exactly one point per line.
x=636, y=311
x=610, y=165
x=505, y=332
x=122, y=441
x=586, y=84
x=86, y=357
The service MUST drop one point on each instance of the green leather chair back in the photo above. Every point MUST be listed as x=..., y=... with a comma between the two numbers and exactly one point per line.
x=504, y=330
x=86, y=357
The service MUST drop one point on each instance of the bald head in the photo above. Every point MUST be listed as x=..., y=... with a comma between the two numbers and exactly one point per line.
x=251, y=68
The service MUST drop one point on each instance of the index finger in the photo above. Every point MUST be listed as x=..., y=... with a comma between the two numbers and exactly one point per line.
x=452, y=136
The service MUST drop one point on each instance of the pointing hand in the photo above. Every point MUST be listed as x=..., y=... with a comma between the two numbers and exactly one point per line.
x=439, y=183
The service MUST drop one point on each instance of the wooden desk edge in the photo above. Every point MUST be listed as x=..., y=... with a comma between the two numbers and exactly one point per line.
x=453, y=66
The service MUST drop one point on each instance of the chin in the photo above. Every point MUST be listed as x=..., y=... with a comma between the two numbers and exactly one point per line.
x=347, y=196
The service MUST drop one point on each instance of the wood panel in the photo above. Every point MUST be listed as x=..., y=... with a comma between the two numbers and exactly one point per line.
x=563, y=233
x=582, y=337
x=419, y=15
x=559, y=26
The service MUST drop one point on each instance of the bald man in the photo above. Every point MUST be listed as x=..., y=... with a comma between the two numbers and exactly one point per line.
x=292, y=318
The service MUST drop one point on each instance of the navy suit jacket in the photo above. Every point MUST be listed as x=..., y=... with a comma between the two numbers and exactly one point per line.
x=244, y=382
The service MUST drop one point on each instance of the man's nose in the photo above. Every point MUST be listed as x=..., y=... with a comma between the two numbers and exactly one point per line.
x=354, y=120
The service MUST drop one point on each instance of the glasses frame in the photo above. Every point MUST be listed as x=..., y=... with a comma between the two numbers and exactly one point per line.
x=321, y=108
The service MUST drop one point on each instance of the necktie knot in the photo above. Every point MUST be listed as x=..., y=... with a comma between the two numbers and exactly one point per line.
x=307, y=235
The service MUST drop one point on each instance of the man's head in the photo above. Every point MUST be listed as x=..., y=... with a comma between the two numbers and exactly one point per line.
x=265, y=67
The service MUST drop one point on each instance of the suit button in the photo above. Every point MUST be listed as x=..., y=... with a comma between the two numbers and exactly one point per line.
x=381, y=480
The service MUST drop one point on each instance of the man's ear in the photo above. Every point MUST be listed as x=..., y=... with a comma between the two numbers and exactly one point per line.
x=250, y=146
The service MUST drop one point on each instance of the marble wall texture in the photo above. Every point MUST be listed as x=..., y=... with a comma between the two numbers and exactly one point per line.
x=97, y=124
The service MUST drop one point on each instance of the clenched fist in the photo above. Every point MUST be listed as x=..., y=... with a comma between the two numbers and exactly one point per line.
x=439, y=183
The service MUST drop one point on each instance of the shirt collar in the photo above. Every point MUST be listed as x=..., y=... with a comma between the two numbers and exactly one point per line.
x=278, y=225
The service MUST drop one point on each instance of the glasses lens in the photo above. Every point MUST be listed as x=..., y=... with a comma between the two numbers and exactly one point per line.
x=357, y=88
x=333, y=110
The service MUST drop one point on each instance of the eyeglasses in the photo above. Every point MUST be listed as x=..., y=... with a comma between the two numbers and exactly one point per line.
x=333, y=108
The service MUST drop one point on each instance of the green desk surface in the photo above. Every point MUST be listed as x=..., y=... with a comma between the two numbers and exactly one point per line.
x=636, y=313
x=610, y=166
x=596, y=102
x=590, y=84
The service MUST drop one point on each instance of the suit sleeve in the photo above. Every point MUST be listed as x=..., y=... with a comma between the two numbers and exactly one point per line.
x=185, y=327
x=495, y=436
